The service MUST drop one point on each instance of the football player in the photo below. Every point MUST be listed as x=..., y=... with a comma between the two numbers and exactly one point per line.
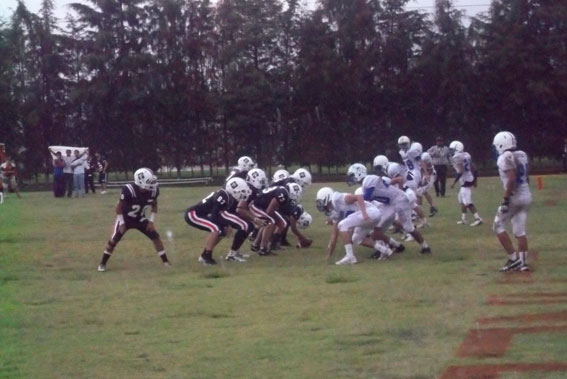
x=241, y=169
x=353, y=213
x=256, y=180
x=513, y=170
x=266, y=206
x=380, y=165
x=135, y=199
x=212, y=215
x=302, y=177
x=428, y=178
x=396, y=202
x=466, y=176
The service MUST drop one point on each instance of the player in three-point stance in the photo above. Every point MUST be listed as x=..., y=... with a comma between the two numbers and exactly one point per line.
x=513, y=170
x=212, y=214
x=135, y=199
x=466, y=176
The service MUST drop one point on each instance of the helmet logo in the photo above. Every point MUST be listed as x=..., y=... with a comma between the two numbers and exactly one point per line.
x=233, y=185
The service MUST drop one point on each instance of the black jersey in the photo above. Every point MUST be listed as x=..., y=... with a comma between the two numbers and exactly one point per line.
x=251, y=198
x=235, y=172
x=283, y=182
x=135, y=202
x=264, y=198
x=213, y=204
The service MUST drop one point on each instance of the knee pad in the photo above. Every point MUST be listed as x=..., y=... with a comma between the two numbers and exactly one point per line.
x=498, y=225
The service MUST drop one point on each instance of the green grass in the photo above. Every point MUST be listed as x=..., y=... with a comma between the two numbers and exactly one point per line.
x=290, y=316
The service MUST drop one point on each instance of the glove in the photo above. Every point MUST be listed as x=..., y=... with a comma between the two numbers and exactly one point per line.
x=503, y=208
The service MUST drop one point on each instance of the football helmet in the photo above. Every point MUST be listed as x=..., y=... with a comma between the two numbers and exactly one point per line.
x=395, y=170
x=426, y=157
x=504, y=141
x=295, y=191
x=404, y=142
x=303, y=177
x=323, y=198
x=145, y=179
x=359, y=191
x=416, y=146
x=246, y=163
x=280, y=175
x=304, y=220
x=380, y=164
x=238, y=188
x=257, y=178
x=456, y=147
x=356, y=173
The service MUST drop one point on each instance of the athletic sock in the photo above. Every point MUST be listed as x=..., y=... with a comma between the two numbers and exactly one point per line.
x=349, y=251
x=105, y=257
x=393, y=242
x=238, y=240
x=477, y=216
x=163, y=256
x=513, y=256
x=464, y=216
x=381, y=247
x=424, y=244
x=523, y=257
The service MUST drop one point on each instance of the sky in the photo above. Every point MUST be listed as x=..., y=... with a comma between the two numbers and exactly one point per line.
x=471, y=7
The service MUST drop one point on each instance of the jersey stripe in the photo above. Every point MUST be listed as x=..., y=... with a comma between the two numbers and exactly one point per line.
x=260, y=213
x=235, y=219
x=203, y=222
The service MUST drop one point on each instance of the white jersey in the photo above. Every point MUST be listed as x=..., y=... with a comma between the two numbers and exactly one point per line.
x=411, y=158
x=379, y=189
x=518, y=161
x=463, y=165
x=341, y=209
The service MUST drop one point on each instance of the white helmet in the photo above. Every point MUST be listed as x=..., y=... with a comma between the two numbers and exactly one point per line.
x=380, y=164
x=426, y=157
x=295, y=191
x=280, y=175
x=359, y=191
x=257, y=178
x=303, y=177
x=404, y=142
x=356, y=173
x=395, y=170
x=456, y=147
x=504, y=141
x=238, y=188
x=246, y=163
x=145, y=179
x=324, y=198
x=304, y=220
x=416, y=146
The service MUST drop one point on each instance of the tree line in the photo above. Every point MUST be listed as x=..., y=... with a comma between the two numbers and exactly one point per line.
x=195, y=83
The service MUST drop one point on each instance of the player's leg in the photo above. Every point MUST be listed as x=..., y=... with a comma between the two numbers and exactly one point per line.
x=468, y=201
x=501, y=220
x=237, y=243
x=154, y=236
x=118, y=232
x=215, y=234
x=241, y=226
x=282, y=223
x=519, y=230
x=461, y=199
x=353, y=221
x=404, y=214
x=14, y=184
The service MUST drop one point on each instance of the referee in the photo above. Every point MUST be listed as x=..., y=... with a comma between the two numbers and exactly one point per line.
x=440, y=159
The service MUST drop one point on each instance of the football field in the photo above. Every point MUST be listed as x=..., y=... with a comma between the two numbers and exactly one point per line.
x=294, y=315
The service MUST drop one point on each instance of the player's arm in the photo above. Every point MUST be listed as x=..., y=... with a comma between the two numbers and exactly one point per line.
x=120, y=216
x=152, y=218
x=359, y=199
x=243, y=211
x=295, y=229
x=273, y=206
x=509, y=190
x=475, y=173
x=459, y=172
x=333, y=240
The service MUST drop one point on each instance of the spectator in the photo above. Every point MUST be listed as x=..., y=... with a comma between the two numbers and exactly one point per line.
x=78, y=166
x=440, y=158
x=58, y=176
x=90, y=167
x=8, y=169
x=68, y=172
x=102, y=174
x=564, y=154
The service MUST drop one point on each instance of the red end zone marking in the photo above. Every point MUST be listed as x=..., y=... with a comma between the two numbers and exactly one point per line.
x=496, y=300
x=494, y=342
x=493, y=371
x=554, y=316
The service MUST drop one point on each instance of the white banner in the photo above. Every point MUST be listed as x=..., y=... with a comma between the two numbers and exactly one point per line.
x=63, y=149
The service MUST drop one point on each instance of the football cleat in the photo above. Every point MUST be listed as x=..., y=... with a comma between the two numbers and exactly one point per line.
x=101, y=268
x=477, y=222
x=433, y=211
x=167, y=264
x=346, y=261
x=399, y=249
x=207, y=261
x=462, y=222
x=375, y=255
x=265, y=252
x=386, y=255
x=425, y=250
x=285, y=243
x=524, y=268
x=234, y=258
x=241, y=255
x=511, y=265
x=254, y=248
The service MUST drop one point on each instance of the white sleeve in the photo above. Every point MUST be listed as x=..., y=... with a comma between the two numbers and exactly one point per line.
x=506, y=161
